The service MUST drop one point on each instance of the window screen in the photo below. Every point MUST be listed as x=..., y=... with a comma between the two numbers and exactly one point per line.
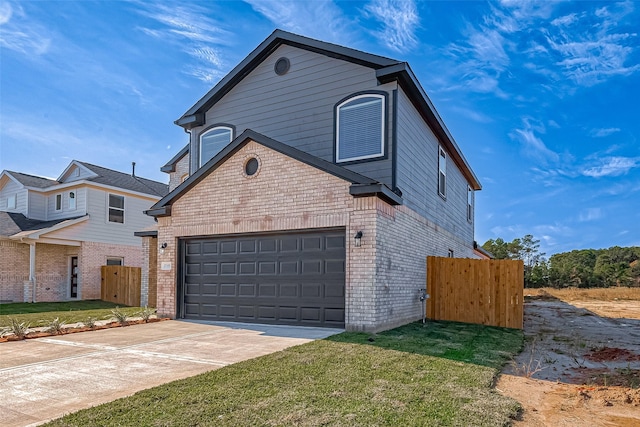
x=212, y=142
x=360, y=128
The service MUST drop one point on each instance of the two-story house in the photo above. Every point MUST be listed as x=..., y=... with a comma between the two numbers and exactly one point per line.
x=56, y=234
x=316, y=181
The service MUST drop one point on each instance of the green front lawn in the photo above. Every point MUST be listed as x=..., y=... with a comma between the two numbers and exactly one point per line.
x=41, y=313
x=438, y=374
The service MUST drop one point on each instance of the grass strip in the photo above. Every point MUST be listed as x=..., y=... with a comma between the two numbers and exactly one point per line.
x=439, y=374
x=41, y=313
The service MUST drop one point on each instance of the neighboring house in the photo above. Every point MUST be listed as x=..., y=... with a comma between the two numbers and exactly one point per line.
x=319, y=180
x=56, y=234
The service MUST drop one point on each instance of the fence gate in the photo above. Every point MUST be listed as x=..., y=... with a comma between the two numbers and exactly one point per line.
x=487, y=292
x=121, y=285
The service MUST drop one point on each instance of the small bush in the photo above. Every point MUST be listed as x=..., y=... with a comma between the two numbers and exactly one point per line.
x=56, y=326
x=17, y=328
x=90, y=322
x=146, y=313
x=120, y=316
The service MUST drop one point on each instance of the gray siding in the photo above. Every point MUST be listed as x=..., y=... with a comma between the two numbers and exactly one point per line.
x=417, y=174
x=98, y=229
x=10, y=189
x=298, y=108
x=37, y=206
x=65, y=212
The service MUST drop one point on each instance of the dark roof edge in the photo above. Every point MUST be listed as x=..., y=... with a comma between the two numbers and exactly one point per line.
x=378, y=190
x=150, y=233
x=403, y=73
x=482, y=250
x=171, y=164
x=195, y=115
x=160, y=208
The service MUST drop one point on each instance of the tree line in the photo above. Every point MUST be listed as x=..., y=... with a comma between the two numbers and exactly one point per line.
x=582, y=268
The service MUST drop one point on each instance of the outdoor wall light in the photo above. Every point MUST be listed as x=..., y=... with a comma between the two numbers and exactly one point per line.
x=163, y=247
x=358, y=239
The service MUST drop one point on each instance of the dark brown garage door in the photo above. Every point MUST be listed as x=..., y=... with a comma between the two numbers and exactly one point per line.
x=286, y=278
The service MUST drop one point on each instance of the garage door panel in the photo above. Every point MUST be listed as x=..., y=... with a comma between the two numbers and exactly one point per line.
x=247, y=290
x=288, y=267
x=289, y=278
x=265, y=268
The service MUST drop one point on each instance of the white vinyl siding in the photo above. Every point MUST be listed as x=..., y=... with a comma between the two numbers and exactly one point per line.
x=360, y=128
x=212, y=141
x=116, y=209
x=97, y=228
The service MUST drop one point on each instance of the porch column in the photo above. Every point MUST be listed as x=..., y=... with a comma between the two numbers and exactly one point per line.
x=32, y=268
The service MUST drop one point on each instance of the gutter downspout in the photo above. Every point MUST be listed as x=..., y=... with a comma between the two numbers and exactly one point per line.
x=32, y=268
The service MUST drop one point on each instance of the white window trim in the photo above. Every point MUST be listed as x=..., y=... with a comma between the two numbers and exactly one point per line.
x=55, y=206
x=73, y=206
x=109, y=207
x=469, y=204
x=442, y=169
x=200, y=163
x=382, y=133
x=12, y=201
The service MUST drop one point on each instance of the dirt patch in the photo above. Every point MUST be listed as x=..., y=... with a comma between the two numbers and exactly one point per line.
x=580, y=365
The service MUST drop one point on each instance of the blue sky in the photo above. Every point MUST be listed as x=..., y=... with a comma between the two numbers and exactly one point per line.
x=540, y=96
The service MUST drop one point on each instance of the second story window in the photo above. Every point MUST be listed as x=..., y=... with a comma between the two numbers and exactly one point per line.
x=469, y=204
x=360, y=128
x=116, y=208
x=72, y=200
x=58, y=202
x=442, y=173
x=212, y=141
x=11, y=201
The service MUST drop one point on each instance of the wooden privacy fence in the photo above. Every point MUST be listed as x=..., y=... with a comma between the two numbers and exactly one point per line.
x=121, y=285
x=487, y=292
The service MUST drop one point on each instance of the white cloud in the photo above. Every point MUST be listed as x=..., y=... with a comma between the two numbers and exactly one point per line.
x=602, y=132
x=612, y=166
x=532, y=145
x=21, y=34
x=320, y=19
x=400, y=21
x=590, y=214
x=472, y=114
x=191, y=28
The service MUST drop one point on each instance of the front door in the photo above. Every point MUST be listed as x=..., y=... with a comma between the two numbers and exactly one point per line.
x=74, y=277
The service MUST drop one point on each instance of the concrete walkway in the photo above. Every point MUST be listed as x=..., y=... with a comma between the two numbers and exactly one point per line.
x=46, y=378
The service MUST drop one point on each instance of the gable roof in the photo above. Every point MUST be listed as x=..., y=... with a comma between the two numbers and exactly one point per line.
x=126, y=181
x=387, y=70
x=195, y=115
x=32, y=180
x=12, y=223
x=361, y=185
x=101, y=175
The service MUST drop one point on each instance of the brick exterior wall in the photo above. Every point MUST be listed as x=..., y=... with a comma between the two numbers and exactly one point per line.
x=14, y=258
x=383, y=275
x=149, y=282
x=182, y=169
x=94, y=255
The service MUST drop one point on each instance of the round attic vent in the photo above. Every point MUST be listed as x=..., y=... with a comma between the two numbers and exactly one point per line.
x=282, y=66
x=251, y=166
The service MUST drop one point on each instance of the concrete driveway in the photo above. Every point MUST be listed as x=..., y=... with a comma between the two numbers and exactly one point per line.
x=46, y=378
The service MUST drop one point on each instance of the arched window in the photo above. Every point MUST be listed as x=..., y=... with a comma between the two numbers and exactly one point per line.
x=212, y=141
x=360, y=128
